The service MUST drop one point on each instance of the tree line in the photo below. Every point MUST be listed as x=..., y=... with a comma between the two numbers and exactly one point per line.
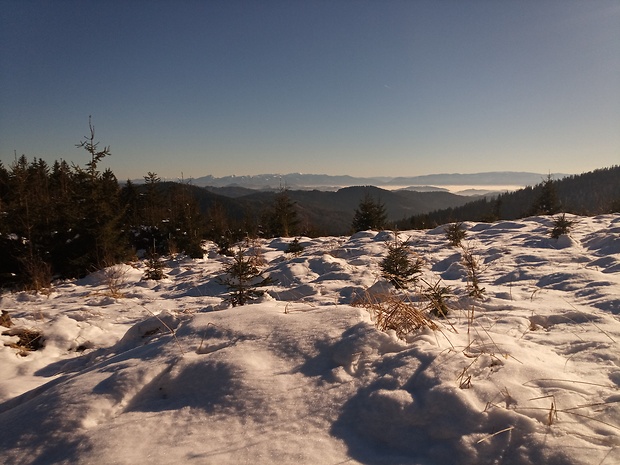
x=66, y=220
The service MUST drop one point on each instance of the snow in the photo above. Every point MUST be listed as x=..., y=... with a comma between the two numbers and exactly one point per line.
x=168, y=373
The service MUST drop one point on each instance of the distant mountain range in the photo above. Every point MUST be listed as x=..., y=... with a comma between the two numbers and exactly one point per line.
x=425, y=183
x=330, y=212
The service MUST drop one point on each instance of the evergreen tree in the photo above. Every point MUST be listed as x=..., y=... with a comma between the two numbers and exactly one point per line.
x=186, y=226
x=154, y=268
x=547, y=202
x=399, y=267
x=455, y=233
x=294, y=247
x=370, y=214
x=152, y=215
x=25, y=221
x=4, y=192
x=561, y=225
x=96, y=240
x=283, y=220
x=243, y=279
x=219, y=228
x=130, y=199
x=4, y=184
x=66, y=221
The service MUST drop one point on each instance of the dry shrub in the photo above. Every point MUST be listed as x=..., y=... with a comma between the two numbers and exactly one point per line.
x=37, y=272
x=393, y=311
x=115, y=278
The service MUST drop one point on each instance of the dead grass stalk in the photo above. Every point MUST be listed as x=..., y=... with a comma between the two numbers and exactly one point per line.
x=392, y=311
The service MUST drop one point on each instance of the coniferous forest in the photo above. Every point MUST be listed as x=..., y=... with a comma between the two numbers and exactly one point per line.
x=66, y=220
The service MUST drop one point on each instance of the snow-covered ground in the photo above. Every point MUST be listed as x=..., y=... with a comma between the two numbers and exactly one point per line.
x=167, y=373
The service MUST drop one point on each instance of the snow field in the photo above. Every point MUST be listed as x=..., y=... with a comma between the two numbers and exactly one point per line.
x=167, y=373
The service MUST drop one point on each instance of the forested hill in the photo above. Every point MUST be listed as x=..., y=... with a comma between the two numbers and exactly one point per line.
x=321, y=212
x=331, y=213
x=590, y=193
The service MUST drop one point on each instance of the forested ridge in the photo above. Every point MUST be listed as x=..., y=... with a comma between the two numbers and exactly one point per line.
x=592, y=193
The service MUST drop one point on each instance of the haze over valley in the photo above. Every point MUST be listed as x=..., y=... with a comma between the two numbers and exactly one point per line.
x=464, y=184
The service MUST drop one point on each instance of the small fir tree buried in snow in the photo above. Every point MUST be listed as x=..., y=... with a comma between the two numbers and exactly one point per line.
x=243, y=278
x=561, y=225
x=399, y=266
x=437, y=297
x=254, y=252
x=455, y=233
x=294, y=247
x=154, y=268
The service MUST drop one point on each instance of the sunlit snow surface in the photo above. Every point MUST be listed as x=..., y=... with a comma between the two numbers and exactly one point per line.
x=302, y=377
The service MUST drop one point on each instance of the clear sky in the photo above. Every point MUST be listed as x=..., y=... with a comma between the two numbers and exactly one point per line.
x=384, y=87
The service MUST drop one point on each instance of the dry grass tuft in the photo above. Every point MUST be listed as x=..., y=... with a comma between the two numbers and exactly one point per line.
x=5, y=319
x=38, y=273
x=473, y=265
x=392, y=311
x=29, y=340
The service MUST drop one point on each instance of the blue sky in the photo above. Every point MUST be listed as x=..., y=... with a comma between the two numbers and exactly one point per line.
x=393, y=88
